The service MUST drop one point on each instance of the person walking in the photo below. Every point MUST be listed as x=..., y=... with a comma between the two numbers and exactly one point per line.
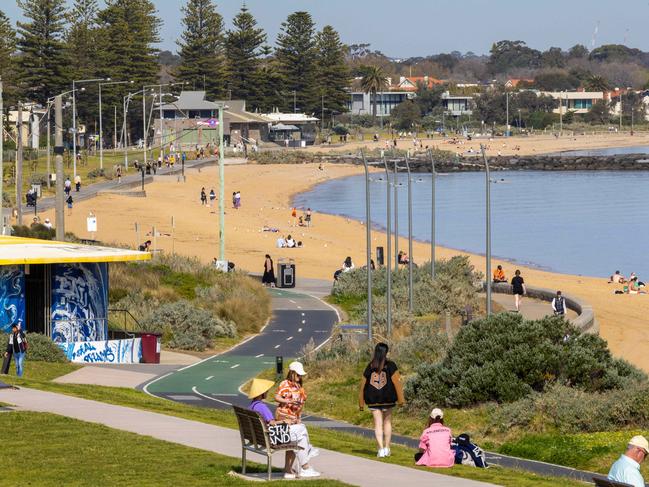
x=119, y=174
x=67, y=186
x=518, y=289
x=212, y=197
x=268, y=279
x=17, y=346
x=627, y=468
x=203, y=197
x=307, y=217
x=294, y=216
x=69, y=201
x=380, y=391
x=77, y=183
x=237, y=199
x=291, y=397
x=559, y=305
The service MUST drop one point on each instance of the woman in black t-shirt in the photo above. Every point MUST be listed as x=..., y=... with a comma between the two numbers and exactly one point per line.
x=518, y=289
x=381, y=390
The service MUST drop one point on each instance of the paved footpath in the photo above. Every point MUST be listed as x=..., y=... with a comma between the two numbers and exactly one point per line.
x=346, y=468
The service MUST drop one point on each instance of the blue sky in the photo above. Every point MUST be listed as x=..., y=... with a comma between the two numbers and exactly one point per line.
x=421, y=27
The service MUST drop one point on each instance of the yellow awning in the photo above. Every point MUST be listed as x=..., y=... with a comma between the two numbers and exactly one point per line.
x=20, y=250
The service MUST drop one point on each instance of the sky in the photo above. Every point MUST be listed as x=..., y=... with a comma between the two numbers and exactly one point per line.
x=424, y=27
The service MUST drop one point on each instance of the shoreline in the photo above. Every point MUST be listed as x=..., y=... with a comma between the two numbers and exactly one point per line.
x=268, y=190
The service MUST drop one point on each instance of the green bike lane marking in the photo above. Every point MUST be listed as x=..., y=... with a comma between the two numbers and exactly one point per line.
x=221, y=375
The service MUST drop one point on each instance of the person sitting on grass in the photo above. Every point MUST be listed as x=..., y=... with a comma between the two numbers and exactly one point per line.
x=403, y=258
x=258, y=390
x=435, y=443
x=499, y=274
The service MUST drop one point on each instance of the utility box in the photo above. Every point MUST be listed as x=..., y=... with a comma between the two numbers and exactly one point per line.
x=380, y=256
x=150, y=348
x=286, y=268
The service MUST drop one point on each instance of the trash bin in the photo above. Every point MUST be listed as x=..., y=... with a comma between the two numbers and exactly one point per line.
x=286, y=269
x=150, y=348
x=380, y=257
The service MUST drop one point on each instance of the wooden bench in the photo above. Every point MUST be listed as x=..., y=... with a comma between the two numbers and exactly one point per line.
x=605, y=482
x=255, y=437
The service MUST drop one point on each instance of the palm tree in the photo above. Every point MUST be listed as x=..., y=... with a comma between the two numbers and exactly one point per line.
x=372, y=81
x=596, y=83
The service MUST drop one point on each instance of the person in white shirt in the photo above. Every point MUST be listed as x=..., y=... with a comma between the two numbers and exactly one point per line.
x=290, y=243
x=627, y=468
x=47, y=223
x=559, y=304
x=348, y=265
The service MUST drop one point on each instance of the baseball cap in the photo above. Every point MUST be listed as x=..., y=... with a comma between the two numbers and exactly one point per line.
x=437, y=413
x=640, y=442
x=297, y=367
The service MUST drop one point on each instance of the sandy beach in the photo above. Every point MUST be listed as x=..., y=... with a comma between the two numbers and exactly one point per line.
x=266, y=192
x=538, y=143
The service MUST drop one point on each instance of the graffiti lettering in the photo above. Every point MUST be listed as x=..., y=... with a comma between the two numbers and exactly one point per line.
x=110, y=351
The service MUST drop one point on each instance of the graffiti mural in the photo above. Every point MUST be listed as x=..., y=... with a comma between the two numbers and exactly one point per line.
x=107, y=352
x=12, y=296
x=79, y=302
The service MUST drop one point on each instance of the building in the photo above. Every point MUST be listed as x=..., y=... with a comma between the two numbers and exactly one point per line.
x=457, y=105
x=574, y=101
x=412, y=83
x=193, y=120
x=60, y=289
x=292, y=129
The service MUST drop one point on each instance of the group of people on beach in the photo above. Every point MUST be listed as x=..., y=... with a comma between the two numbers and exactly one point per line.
x=303, y=220
x=632, y=285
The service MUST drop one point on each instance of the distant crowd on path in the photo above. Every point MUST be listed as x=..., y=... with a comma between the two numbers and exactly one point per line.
x=632, y=285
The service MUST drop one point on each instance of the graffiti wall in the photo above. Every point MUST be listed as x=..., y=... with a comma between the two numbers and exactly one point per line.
x=79, y=302
x=108, y=352
x=12, y=296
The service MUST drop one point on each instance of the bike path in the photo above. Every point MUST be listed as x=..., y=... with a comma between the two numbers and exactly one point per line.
x=214, y=382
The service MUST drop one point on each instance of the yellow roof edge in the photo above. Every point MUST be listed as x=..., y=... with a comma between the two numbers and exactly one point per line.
x=72, y=260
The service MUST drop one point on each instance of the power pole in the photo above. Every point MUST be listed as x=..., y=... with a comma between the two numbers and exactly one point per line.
x=58, y=150
x=19, y=165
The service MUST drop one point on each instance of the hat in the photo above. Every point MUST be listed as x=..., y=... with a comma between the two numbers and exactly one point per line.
x=297, y=367
x=437, y=413
x=640, y=442
x=258, y=387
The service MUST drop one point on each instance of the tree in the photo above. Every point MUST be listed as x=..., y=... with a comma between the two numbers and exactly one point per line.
x=295, y=61
x=373, y=81
x=507, y=55
x=202, y=60
x=405, y=115
x=7, y=51
x=42, y=51
x=578, y=51
x=553, y=58
x=243, y=51
x=596, y=83
x=599, y=113
x=556, y=81
x=429, y=99
x=332, y=72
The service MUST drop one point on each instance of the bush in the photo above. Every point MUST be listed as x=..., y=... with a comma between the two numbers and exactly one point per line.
x=187, y=327
x=34, y=231
x=96, y=173
x=42, y=349
x=424, y=344
x=505, y=358
x=340, y=130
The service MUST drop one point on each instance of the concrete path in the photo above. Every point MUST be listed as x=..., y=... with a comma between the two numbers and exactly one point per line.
x=532, y=309
x=346, y=468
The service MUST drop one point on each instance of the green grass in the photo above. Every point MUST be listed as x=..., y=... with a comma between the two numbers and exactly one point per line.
x=76, y=453
x=41, y=371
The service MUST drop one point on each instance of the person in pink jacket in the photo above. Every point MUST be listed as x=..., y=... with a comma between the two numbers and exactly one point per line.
x=435, y=443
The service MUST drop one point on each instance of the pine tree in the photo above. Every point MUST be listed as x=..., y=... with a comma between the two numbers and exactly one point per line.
x=295, y=58
x=243, y=48
x=7, y=50
x=333, y=75
x=201, y=48
x=42, y=63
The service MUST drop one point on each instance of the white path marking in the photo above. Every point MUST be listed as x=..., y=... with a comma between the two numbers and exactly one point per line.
x=260, y=355
x=303, y=322
x=234, y=366
x=209, y=378
x=289, y=339
x=299, y=307
x=276, y=347
x=195, y=391
x=290, y=300
x=302, y=314
x=299, y=330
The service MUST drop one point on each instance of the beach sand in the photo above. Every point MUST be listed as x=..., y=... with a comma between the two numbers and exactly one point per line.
x=540, y=143
x=266, y=191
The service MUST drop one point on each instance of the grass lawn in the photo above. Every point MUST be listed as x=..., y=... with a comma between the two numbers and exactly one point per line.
x=76, y=453
x=334, y=440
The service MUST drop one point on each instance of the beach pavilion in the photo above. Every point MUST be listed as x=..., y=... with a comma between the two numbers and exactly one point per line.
x=59, y=289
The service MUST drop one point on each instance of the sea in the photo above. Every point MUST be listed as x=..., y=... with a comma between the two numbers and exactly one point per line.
x=578, y=222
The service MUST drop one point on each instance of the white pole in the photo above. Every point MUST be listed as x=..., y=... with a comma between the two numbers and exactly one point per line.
x=74, y=129
x=101, y=137
x=144, y=122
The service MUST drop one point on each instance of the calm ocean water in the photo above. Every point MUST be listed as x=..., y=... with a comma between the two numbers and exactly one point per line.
x=589, y=223
x=611, y=151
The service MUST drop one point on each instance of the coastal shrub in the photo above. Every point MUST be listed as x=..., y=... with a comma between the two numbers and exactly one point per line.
x=425, y=343
x=504, y=358
x=42, y=348
x=34, y=231
x=96, y=173
x=340, y=349
x=187, y=327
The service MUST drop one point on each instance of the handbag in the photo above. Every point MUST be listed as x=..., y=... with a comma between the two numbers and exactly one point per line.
x=279, y=434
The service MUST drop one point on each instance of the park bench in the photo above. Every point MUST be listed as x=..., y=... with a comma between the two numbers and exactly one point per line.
x=604, y=482
x=255, y=438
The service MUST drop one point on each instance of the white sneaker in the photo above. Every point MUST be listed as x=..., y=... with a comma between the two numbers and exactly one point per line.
x=386, y=452
x=309, y=472
x=381, y=453
x=289, y=476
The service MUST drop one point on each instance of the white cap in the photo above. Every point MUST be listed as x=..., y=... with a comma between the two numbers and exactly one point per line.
x=640, y=442
x=437, y=413
x=297, y=367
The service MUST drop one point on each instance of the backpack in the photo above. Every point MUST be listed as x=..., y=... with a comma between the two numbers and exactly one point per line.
x=467, y=453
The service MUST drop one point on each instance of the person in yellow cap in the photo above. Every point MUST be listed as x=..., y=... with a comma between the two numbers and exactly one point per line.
x=627, y=469
x=258, y=390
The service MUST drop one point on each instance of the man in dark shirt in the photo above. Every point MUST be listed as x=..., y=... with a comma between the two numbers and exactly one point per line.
x=518, y=289
x=17, y=345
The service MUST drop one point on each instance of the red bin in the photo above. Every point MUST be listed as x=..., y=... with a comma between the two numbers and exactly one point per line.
x=150, y=348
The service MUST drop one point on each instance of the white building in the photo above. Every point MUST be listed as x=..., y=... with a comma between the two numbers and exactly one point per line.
x=574, y=101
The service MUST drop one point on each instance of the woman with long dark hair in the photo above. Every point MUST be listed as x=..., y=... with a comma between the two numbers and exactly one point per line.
x=381, y=390
x=268, y=279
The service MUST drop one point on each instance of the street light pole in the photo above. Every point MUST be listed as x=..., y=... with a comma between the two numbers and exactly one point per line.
x=410, y=256
x=388, y=274
x=58, y=151
x=432, y=218
x=74, y=118
x=101, y=131
x=487, y=228
x=507, y=110
x=396, y=215
x=221, y=186
x=368, y=243
x=19, y=165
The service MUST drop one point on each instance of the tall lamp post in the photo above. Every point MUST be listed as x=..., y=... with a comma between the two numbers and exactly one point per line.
x=101, y=136
x=396, y=215
x=74, y=117
x=221, y=186
x=388, y=274
x=487, y=228
x=432, y=217
x=368, y=244
x=410, y=256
